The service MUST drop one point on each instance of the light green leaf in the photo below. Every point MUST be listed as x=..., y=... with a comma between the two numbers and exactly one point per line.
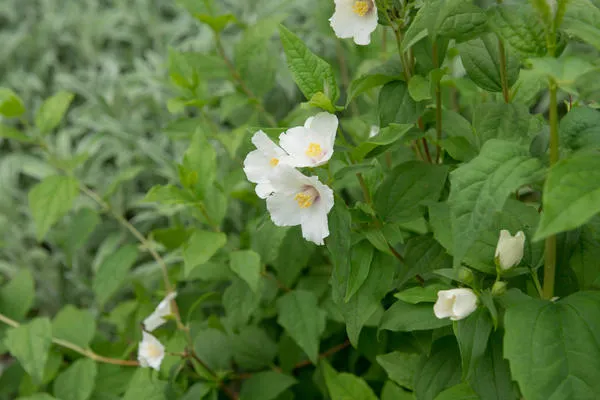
x=387, y=136
x=240, y=302
x=82, y=225
x=400, y=367
x=461, y=20
x=112, y=272
x=311, y=73
x=367, y=82
x=404, y=317
x=144, y=386
x=77, y=381
x=246, y=264
x=345, y=386
x=30, y=344
x=419, y=88
x=553, y=347
x=481, y=59
x=439, y=371
x=18, y=295
x=565, y=71
x=168, y=195
x=201, y=246
x=481, y=187
x=303, y=320
x=402, y=195
x=52, y=111
x=397, y=106
x=14, y=134
x=74, y=325
x=197, y=392
x=580, y=129
x=200, y=159
x=582, y=19
x=472, y=334
x=320, y=100
x=38, y=396
x=50, y=200
x=518, y=25
x=421, y=294
x=216, y=22
x=571, y=194
x=502, y=121
x=462, y=391
x=391, y=391
x=265, y=386
x=11, y=105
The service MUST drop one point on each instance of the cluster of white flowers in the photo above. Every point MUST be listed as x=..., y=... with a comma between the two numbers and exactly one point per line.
x=458, y=304
x=355, y=19
x=292, y=197
x=151, y=352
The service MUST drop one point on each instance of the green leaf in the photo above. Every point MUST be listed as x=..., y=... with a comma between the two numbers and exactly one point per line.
x=293, y=256
x=52, y=111
x=216, y=22
x=419, y=88
x=404, y=317
x=345, y=386
x=50, y=200
x=200, y=159
x=320, y=100
x=439, y=371
x=265, y=386
x=421, y=294
x=571, y=194
x=582, y=19
x=565, y=71
x=311, y=73
x=349, y=280
x=30, y=344
x=519, y=26
x=82, y=225
x=144, y=386
x=303, y=320
x=388, y=135
x=11, y=133
x=197, y=392
x=462, y=391
x=472, y=334
x=112, y=273
x=408, y=188
x=11, y=105
x=491, y=379
x=502, y=121
x=400, y=367
x=461, y=20
x=391, y=391
x=38, y=396
x=481, y=59
x=201, y=246
x=214, y=348
x=18, y=295
x=74, y=325
x=397, y=106
x=480, y=189
x=367, y=300
x=553, y=347
x=240, y=302
x=339, y=242
x=253, y=349
x=580, y=129
x=584, y=258
x=246, y=265
x=424, y=254
x=367, y=82
x=77, y=381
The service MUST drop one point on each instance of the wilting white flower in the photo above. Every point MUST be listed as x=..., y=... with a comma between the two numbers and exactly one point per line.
x=260, y=163
x=354, y=19
x=509, y=250
x=150, y=352
x=374, y=131
x=300, y=200
x=310, y=145
x=157, y=319
x=455, y=303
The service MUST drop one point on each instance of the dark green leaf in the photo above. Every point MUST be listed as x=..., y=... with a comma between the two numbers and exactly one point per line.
x=77, y=381
x=246, y=264
x=396, y=105
x=18, y=295
x=439, y=371
x=580, y=129
x=201, y=246
x=400, y=367
x=345, y=386
x=405, y=317
x=112, y=272
x=462, y=391
x=491, y=379
x=145, y=386
x=74, y=325
x=265, y=386
x=518, y=25
x=472, y=334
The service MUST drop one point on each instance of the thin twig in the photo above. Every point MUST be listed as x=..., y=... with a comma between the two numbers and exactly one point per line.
x=325, y=354
x=71, y=346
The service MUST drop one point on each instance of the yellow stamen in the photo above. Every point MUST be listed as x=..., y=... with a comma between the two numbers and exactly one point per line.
x=153, y=350
x=361, y=7
x=304, y=200
x=314, y=150
x=274, y=161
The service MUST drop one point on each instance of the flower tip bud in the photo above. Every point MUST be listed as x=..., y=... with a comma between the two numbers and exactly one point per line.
x=499, y=288
x=509, y=250
x=465, y=275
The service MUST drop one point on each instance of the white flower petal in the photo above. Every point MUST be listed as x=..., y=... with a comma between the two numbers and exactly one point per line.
x=455, y=303
x=310, y=145
x=163, y=309
x=264, y=190
x=150, y=352
x=257, y=167
x=443, y=306
x=284, y=210
x=509, y=249
x=315, y=227
x=266, y=145
x=295, y=141
x=325, y=124
x=346, y=23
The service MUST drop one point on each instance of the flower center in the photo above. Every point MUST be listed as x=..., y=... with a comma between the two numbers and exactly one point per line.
x=362, y=7
x=153, y=350
x=314, y=150
x=274, y=161
x=306, y=198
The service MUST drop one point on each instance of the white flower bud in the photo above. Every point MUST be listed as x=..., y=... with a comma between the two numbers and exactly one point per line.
x=509, y=251
x=150, y=352
x=157, y=319
x=455, y=304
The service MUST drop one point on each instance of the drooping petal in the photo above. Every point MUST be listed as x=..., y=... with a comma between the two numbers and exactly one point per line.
x=163, y=309
x=325, y=125
x=284, y=209
x=151, y=352
x=315, y=227
x=257, y=166
x=266, y=145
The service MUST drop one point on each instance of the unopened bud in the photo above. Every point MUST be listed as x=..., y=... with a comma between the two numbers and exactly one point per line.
x=499, y=288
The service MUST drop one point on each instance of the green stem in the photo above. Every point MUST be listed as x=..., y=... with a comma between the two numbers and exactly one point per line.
x=536, y=282
x=438, y=106
x=550, y=249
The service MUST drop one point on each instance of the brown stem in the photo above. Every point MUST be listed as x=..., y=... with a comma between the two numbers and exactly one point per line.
x=240, y=81
x=325, y=354
x=426, y=147
x=365, y=189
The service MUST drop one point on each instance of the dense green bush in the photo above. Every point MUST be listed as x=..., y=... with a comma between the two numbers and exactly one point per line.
x=443, y=246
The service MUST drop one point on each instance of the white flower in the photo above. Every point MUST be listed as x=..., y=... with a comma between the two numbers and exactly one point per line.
x=354, y=19
x=455, y=303
x=156, y=319
x=374, y=131
x=150, y=352
x=260, y=163
x=310, y=145
x=300, y=200
x=509, y=251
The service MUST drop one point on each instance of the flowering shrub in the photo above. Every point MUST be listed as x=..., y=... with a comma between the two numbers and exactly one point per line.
x=348, y=237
